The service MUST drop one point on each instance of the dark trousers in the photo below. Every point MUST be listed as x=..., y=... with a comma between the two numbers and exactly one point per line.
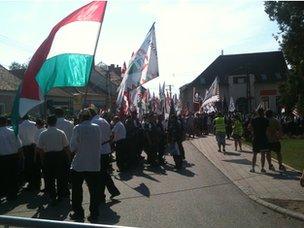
x=120, y=148
x=9, y=170
x=32, y=168
x=181, y=149
x=178, y=160
x=106, y=180
x=92, y=179
x=56, y=170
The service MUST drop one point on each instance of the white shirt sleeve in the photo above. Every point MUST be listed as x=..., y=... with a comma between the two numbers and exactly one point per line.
x=74, y=140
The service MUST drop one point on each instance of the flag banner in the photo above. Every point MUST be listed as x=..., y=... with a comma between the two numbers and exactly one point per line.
x=212, y=94
x=143, y=66
x=231, y=105
x=64, y=59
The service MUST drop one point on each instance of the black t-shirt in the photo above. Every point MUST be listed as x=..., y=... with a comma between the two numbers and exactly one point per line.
x=259, y=126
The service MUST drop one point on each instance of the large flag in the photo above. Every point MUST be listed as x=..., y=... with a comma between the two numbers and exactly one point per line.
x=142, y=68
x=65, y=58
x=231, y=105
x=212, y=94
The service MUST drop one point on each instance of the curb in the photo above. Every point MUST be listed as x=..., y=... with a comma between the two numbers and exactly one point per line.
x=260, y=201
x=277, y=208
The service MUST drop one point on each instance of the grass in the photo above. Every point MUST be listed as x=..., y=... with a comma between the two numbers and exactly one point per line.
x=292, y=152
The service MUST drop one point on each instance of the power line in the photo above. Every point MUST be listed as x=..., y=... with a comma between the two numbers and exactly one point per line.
x=11, y=42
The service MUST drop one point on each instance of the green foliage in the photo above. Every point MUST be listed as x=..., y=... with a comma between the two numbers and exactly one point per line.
x=17, y=66
x=290, y=18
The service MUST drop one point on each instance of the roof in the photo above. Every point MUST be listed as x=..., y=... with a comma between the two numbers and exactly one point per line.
x=8, y=81
x=264, y=65
x=98, y=84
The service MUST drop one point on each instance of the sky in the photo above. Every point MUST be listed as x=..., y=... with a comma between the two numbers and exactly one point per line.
x=189, y=34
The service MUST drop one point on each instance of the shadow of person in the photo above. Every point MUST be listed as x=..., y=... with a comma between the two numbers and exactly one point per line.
x=32, y=201
x=232, y=153
x=185, y=172
x=107, y=215
x=59, y=211
x=124, y=176
x=288, y=175
x=143, y=189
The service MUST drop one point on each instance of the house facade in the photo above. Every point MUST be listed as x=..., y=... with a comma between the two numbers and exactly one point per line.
x=250, y=79
x=100, y=91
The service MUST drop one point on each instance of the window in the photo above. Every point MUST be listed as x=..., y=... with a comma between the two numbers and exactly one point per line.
x=239, y=80
x=263, y=77
x=2, y=108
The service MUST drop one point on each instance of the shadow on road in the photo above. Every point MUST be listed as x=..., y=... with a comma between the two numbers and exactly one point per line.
x=143, y=189
x=239, y=161
x=58, y=212
x=107, y=215
x=287, y=175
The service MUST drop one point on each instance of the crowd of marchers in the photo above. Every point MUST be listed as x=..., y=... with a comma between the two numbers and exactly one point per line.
x=60, y=154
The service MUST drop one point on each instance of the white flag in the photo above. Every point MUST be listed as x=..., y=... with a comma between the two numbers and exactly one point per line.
x=143, y=66
x=231, y=105
x=212, y=95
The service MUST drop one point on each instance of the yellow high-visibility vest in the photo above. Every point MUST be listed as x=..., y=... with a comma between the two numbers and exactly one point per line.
x=220, y=125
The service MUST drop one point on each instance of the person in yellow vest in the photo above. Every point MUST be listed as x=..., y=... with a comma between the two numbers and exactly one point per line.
x=220, y=131
x=237, y=132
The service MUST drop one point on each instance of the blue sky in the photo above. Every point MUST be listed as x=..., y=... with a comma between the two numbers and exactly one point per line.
x=190, y=34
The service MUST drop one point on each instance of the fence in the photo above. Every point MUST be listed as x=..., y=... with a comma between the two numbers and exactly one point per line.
x=8, y=221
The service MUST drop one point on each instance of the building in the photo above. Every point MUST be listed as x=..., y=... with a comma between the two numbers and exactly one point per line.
x=101, y=90
x=250, y=79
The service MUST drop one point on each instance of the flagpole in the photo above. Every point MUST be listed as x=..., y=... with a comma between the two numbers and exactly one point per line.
x=93, y=62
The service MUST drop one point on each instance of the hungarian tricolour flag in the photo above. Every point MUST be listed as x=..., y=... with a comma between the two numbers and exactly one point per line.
x=64, y=59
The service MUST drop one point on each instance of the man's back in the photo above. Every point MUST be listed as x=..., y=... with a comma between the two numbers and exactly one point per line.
x=259, y=127
x=66, y=126
x=27, y=130
x=86, y=142
x=274, y=130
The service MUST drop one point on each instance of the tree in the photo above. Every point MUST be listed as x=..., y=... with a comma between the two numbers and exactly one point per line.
x=290, y=19
x=17, y=66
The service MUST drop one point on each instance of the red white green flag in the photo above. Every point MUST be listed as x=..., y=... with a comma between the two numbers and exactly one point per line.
x=64, y=59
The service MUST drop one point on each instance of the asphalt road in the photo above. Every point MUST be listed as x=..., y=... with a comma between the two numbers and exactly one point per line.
x=198, y=196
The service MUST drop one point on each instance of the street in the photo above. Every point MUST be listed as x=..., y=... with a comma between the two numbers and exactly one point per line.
x=198, y=196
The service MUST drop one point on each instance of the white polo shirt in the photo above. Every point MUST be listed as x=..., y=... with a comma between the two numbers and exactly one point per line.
x=106, y=132
x=27, y=130
x=119, y=131
x=66, y=126
x=52, y=139
x=9, y=143
x=37, y=134
x=86, y=143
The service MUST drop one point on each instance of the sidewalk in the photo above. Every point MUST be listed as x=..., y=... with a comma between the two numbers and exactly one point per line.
x=271, y=189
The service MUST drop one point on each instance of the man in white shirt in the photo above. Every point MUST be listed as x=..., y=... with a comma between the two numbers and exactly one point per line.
x=63, y=124
x=31, y=171
x=10, y=154
x=55, y=154
x=86, y=144
x=105, y=130
x=119, y=136
x=40, y=128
